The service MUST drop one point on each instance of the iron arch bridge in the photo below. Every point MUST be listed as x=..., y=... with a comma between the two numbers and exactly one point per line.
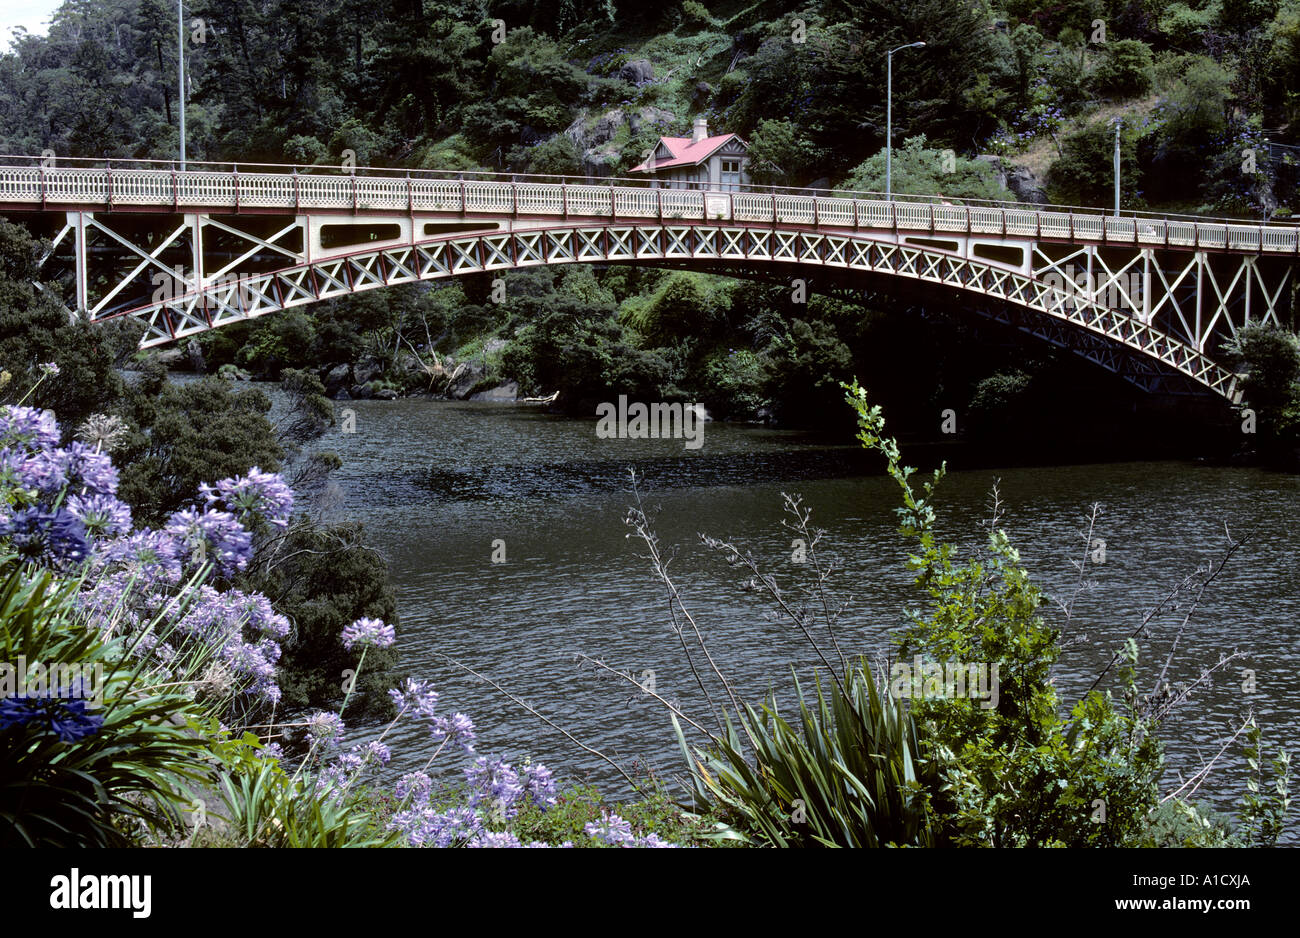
x=1151, y=297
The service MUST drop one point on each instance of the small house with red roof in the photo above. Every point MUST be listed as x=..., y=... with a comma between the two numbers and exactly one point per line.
x=699, y=161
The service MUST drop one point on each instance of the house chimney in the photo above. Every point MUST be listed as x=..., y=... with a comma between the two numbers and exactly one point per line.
x=700, y=130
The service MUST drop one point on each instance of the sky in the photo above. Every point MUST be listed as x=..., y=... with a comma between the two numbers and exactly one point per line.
x=34, y=14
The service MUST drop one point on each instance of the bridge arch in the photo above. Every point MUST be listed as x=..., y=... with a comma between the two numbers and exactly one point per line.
x=1057, y=310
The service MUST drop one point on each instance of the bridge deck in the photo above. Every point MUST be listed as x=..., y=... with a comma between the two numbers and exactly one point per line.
x=39, y=188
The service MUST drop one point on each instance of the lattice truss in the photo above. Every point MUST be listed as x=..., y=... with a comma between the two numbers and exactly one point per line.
x=1173, y=308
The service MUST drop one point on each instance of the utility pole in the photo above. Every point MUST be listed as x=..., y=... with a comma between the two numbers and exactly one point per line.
x=1118, y=123
x=180, y=61
x=889, y=115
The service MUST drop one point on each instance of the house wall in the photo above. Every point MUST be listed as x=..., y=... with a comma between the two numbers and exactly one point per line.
x=708, y=173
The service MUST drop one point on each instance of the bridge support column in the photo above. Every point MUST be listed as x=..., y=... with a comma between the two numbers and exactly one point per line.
x=196, y=248
x=77, y=220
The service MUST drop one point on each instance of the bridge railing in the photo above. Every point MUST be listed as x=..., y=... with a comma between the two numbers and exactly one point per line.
x=207, y=189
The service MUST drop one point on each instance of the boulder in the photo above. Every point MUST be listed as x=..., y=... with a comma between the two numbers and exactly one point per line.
x=386, y=394
x=336, y=379
x=637, y=71
x=360, y=392
x=595, y=138
x=463, y=380
x=409, y=371
x=649, y=115
x=506, y=392
x=194, y=353
x=1024, y=185
x=366, y=370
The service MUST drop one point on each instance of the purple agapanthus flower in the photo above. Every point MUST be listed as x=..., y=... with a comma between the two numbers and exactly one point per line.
x=28, y=426
x=102, y=515
x=415, y=695
x=261, y=617
x=150, y=556
x=539, y=784
x=495, y=839
x=44, y=471
x=617, y=832
x=87, y=469
x=66, y=717
x=252, y=496
x=368, y=632
x=494, y=783
x=324, y=729
x=414, y=785
x=212, y=535
x=457, y=728
x=426, y=827
x=50, y=538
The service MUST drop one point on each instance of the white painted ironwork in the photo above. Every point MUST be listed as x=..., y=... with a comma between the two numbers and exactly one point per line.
x=1172, y=289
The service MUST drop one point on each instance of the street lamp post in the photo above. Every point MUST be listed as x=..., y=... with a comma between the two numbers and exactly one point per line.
x=180, y=60
x=1118, y=124
x=889, y=115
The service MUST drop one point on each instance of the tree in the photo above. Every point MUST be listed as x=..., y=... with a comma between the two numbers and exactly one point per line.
x=781, y=154
x=921, y=170
x=189, y=434
x=1270, y=358
x=1127, y=69
x=1085, y=174
x=36, y=328
x=804, y=369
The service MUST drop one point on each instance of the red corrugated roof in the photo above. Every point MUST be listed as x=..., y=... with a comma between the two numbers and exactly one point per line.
x=685, y=153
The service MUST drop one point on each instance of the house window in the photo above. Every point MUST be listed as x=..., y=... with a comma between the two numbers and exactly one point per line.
x=730, y=175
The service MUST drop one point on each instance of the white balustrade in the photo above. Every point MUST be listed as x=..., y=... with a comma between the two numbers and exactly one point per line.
x=206, y=189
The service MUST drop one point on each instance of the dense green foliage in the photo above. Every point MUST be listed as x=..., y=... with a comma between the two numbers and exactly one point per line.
x=1270, y=361
x=932, y=763
x=587, y=88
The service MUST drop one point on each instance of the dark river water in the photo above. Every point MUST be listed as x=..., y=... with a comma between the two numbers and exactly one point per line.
x=438, y=484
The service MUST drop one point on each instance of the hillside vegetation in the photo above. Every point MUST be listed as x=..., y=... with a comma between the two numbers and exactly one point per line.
x=1003, y=93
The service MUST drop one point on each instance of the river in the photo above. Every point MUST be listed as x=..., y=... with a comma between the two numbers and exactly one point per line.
x=441, y=486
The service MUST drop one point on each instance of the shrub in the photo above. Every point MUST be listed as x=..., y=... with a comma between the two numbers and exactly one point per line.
x=1127, y=71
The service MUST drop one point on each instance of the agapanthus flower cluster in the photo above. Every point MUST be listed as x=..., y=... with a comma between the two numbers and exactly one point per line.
x=457, y=728
x=55, y=539
x=324, y=730
x=59, y=509
x=496, y=791
x=368, y=633
x=617, y=832
x=212, y=535
x=337, y=776
x=417, y=696
x=254, y=497
x=495, y=794
x=103, y=516
x=420, y=700
x=64, y=715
